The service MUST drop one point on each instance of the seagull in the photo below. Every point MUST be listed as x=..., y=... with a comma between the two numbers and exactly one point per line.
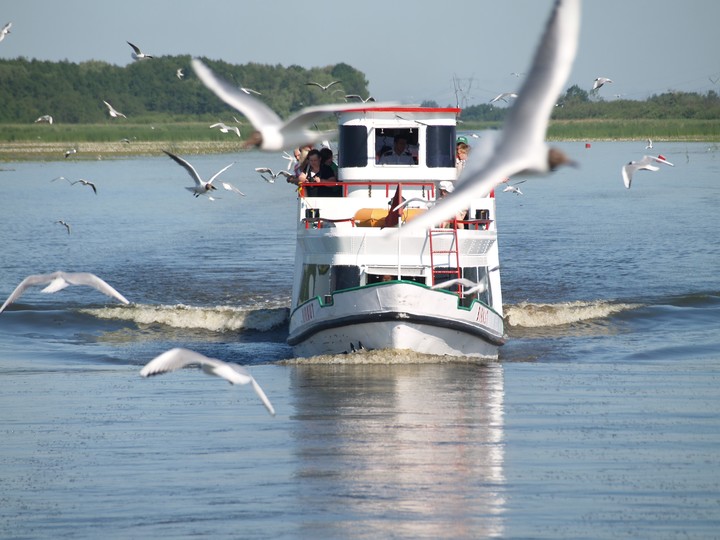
x=273, y=175
x=599, y=82
x=59, y=280
x=178, y=358
x=514, y=189
x=323, y=86
x=69, y=152
x=290, y=158
x=112, y=112
x=355, y=96
x=85, y=183
x=5, y=31
x=44, y=119
x=503, y=97
x=418, y=200
x=472, y=287
x=227, y=129
x=179, y=74
x=272, y=133
x=137, y=54
x=64, y=224
x=201, y=187
x=520, y=147
x=649, y=144
x=249, y=91
x=645, y=164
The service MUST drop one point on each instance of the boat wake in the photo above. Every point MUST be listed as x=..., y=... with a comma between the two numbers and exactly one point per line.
x=215, y=319
x=531, y=315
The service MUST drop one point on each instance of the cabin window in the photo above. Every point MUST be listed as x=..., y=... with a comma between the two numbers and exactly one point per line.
x=352, y=147
x=322, y=280
x=440, y=146
x=478, y=275
x=396, y=146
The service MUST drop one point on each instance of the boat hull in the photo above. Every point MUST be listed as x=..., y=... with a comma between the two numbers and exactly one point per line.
x=395, y=315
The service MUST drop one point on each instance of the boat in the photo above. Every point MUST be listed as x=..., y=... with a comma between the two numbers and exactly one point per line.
x=360, y=284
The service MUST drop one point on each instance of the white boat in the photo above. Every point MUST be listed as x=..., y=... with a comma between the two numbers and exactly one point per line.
x=358, y=285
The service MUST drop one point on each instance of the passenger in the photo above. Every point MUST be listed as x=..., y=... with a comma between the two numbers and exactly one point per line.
x=444, y=188
x=301, y=164
x=326, y=155
x=319, y=172
x=399, y=154
x=462, y=149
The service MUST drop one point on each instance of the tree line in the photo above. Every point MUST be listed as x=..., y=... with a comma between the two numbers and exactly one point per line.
x=74, y=93
x=578, y=104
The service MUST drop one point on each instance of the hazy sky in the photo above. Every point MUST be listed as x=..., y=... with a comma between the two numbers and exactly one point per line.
x=409, y=51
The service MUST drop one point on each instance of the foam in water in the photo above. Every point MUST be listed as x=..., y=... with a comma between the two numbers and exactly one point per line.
x=530, y=315
x=216, y=319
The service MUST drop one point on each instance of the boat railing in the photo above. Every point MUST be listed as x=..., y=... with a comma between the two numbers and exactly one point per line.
x=389, y=186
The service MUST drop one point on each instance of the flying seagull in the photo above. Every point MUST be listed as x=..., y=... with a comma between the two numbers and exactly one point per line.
x=644, y=164
x=360, y=98
x=85, y=183
x=5, y=31
x=323, y=86
x=514, y=189
x=649, y=144
x=472, y=287
x=112, y=112
x=520, y=147
x=69, y=152
x=273, y=175
x=503, y=97
x=64, y=224
x=59, y=280
x=249, y=91
x=179, y=73
x=227, y=129
x=597, y=83
x=44, y=119
x=201, y=187
x=178, y=358
x=272, y=133
x=137, y=54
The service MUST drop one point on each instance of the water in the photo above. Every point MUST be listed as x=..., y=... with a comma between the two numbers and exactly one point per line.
x=601, y=419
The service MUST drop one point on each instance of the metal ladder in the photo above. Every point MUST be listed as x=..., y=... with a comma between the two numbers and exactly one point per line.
x=440, y=272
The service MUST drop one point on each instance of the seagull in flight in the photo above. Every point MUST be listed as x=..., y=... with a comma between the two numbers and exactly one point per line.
x=513, y=188
x=85, y=183
x=69, y=152
x=597, y=83
x=360, y=98
x=272, y=133
x=57, y=281
x=5, y=31
x=44, y=119
x=273, y=175
x=323, y=86
x=179, y=74
x=503, y=97
x=227, y=129
x=137, y=54
x=201, y=187
x=472, y=287
x=649, y=144
x=249, y=91
x=64, y=224
x=644, y=164
x=112, y=112
x=178, y=358
x=520, y=148
x=290, y=159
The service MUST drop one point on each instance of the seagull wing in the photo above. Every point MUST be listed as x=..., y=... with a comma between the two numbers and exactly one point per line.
x=36, y=279
x=232, y=188
x=214, y=176
x=91, y=280
x=264, y=170
x=134, y=47
x=259, y=114
x=261, y=394
x=189, y=168
x=523, y=135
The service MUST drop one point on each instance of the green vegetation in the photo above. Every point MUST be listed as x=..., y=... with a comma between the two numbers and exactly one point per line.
x=162, y=108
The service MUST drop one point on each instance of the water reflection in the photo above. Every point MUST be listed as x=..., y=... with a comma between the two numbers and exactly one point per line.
x=408, y=450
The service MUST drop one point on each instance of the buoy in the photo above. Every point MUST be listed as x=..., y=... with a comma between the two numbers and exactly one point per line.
x=587, y=145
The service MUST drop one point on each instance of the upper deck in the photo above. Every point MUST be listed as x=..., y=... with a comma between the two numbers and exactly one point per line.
x=366, y=135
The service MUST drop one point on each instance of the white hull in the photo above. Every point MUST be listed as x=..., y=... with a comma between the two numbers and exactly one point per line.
x=395, y=316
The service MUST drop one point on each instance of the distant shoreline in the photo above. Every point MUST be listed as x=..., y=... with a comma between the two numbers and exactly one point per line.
x=55, y=151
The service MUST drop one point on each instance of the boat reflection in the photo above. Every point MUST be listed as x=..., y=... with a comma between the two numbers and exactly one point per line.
x=402, y=450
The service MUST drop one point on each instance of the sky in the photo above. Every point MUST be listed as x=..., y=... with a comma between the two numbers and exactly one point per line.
x=412, y=51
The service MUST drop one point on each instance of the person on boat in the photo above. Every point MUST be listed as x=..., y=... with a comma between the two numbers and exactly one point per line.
x=317, y=171
x=462, y=149
x=326, y=155
x=399, y=155
x=445, y=188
